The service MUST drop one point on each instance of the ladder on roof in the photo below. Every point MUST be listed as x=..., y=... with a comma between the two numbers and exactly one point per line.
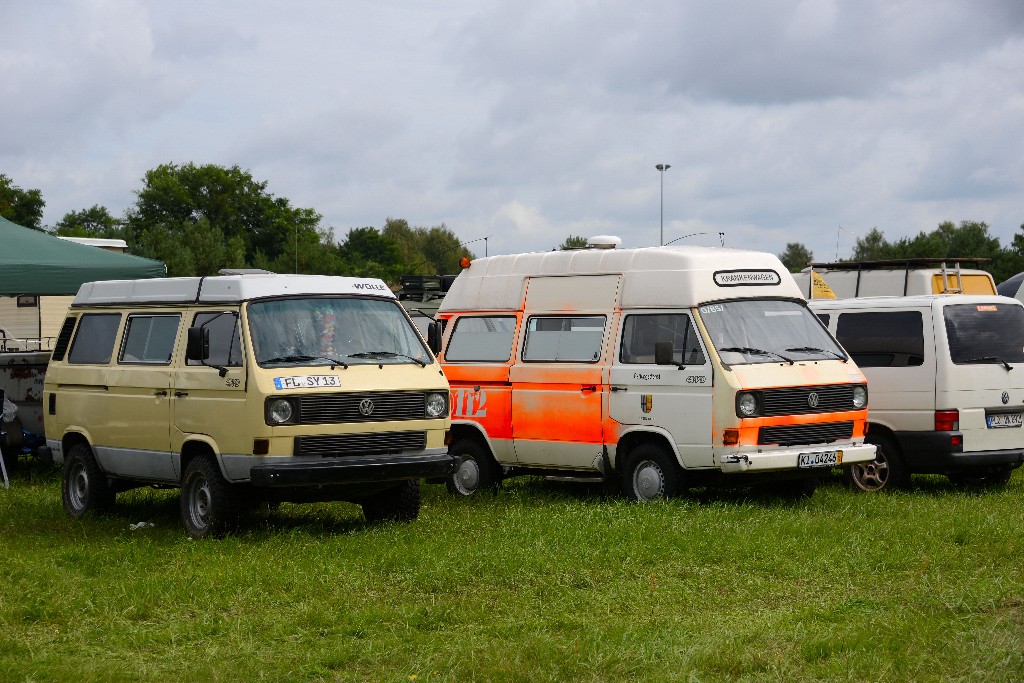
x=947, y=277
x=952, y=279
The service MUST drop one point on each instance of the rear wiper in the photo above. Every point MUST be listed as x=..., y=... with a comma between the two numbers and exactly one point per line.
x=385, y=354
x=813, y=349
x=304, y=359
x=990, y=359
x=757, y=352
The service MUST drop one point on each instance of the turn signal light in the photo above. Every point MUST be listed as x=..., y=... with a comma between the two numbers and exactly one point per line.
x=730, y=437
x=947, y=420
x=260, y=446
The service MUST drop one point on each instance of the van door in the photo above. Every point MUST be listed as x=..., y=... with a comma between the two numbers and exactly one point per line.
x=674, y=396
x=207, y=403
x=558, y=391
x=139, y=402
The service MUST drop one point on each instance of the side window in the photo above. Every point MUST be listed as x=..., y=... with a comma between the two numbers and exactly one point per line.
x=824, y=318
x=889, y=339
x=641, y=332
x=225, y=349
x=94, y=340
x=64, y=337
x=481, y=339
x=149, y=339
x=569, y=338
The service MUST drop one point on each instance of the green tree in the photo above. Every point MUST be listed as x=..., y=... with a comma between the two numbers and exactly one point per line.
x=574, y=242
x=92, y=222
x=872, y=247
x=367, y=252
x=426, y=251
x=249, y=220
x=796, y=257
x=24, y=207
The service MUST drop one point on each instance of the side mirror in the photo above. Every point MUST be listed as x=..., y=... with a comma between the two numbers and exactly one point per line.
x=198, y=345
x=663, y=353
x=435, y=330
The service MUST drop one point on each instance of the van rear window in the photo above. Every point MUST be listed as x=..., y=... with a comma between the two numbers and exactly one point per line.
x=985, y=333
x=94, y=339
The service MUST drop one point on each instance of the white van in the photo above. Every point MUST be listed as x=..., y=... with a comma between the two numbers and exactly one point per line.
x=947, y=385
x=245, y=388
x=657, y=367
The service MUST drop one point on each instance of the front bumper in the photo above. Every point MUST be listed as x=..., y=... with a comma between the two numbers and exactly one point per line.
x=352, y=470
x=786, y=459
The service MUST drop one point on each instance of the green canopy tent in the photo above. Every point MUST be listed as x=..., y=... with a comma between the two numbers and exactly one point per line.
x=37, y=263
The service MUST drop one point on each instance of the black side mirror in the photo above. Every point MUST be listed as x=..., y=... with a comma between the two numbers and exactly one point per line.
x=198, y=345
x=435, y=330
x=663, y=353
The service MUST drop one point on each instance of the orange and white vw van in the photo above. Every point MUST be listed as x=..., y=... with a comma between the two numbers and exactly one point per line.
x=245, y=388
x=658, y=367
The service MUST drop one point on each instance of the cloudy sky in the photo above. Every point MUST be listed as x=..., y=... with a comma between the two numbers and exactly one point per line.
x=525, y=122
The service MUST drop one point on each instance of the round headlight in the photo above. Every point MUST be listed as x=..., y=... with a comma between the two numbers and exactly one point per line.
x=437, y=405
x=747, y=405
x=860, y=397
x=280, y=411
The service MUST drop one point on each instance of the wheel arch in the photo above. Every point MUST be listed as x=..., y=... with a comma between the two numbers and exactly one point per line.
x=473, y=431
x=631, y=439
x=195, y=447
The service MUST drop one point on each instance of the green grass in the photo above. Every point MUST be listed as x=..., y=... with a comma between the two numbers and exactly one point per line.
x=542, y=582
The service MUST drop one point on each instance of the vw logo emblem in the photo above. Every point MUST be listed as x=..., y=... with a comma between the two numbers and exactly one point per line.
x=1006, y=397
x=366, y=407
x=812, y=399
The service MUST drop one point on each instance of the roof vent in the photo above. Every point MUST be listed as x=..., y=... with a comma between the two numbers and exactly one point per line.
x=604, y=242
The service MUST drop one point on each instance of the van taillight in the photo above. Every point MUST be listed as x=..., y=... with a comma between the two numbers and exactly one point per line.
x=947, y=420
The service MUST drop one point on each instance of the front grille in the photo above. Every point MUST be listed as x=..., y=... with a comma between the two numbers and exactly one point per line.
x=372, y=443
x=822, y=432
x=794, y=400
x=341, y=408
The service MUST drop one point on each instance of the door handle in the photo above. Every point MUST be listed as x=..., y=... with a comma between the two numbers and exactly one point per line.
x=179, y=394
x=589, y=388
x=620, y=388
x=160, y=392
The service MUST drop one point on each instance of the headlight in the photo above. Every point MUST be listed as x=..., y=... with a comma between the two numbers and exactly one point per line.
x=279, y=411
x=860, y=397
x=746, y=404
x=437, y=405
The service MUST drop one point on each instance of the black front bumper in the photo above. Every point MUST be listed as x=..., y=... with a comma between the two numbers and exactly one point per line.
x=353, y=470
x=934, y=453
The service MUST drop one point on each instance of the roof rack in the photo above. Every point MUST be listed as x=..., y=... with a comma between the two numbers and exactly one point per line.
x=952, y=281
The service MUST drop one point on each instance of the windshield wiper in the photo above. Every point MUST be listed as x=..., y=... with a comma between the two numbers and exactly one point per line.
x=756, y=352
x=990, y=359
x=385, y=354
x=304, y=359
x=814, y=349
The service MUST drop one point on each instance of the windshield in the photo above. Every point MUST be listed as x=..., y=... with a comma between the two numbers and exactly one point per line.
x=342, y=330
x=767, y=331
x=985, y=333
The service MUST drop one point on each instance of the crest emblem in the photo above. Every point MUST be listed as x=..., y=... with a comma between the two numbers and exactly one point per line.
x=366, y=407
x=646, y=402
x=812, y=399
x=1006, y=397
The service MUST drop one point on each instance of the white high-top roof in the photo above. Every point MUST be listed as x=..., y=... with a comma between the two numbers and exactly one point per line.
x=223, y=289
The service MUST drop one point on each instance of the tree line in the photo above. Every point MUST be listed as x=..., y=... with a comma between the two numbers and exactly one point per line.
x=968, y=240
x=198, y=219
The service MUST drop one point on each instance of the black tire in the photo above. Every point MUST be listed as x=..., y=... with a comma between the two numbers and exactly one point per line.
x=988, y=480
x=885, y=473
x=650, y=474
x=84, y=487
x=398, y=504
x=208, y=502
x=476, y=470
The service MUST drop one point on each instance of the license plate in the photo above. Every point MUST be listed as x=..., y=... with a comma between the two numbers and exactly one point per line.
x=1004, y=420
x=824, y=459
x=306, y=382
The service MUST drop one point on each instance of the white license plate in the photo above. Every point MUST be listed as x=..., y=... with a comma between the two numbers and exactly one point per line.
x=825, y=459
x=1004, y=420
x=307, y=382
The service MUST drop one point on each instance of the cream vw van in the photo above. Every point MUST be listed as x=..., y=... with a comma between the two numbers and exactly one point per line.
x=657, y=367
x=245, y=388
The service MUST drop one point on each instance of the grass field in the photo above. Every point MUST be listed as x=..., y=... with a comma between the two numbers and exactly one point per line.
x=541, y=582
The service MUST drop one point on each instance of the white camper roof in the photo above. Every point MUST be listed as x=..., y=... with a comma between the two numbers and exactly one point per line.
x=652, y=277
x=223, y=289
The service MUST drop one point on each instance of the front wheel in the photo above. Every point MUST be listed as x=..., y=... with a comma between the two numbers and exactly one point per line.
x=208, y=506
x=649, y=474
x=84, y=487
x=398, y=504
x=476, y=469
x=884, y=473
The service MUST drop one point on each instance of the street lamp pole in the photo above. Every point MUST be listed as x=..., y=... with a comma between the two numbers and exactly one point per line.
x=661, y=171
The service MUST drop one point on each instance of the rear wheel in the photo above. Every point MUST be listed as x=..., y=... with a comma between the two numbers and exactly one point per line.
x=398, y=504
x=649, y=474
x=884, y=473
x=208, y=505
x=476, y=470
x=84, y=487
